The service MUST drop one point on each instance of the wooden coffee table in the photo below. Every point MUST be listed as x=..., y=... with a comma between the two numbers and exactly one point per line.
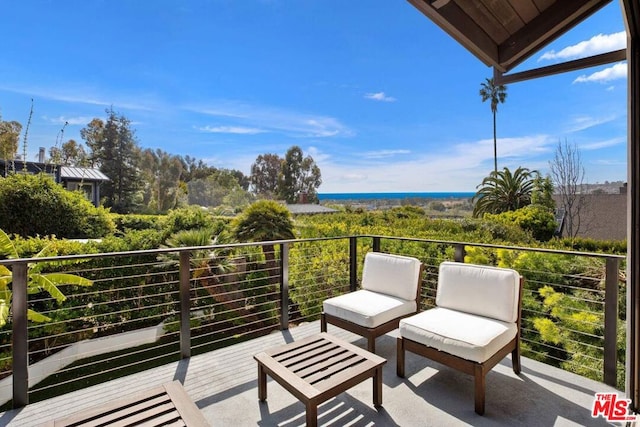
x=318, y=368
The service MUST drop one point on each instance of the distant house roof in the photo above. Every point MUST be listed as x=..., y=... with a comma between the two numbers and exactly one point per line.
x=87, y=174
x=307, y=208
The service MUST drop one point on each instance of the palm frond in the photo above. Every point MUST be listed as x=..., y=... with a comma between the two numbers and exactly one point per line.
x=7, y=247
x=34, y=316
x=4, y=311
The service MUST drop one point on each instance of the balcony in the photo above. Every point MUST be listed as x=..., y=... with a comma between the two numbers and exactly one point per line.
x=198, y=315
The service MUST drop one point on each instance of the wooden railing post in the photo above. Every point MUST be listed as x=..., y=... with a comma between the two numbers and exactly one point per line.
x=611, y=321
x=459, y=253
x=284, y=286
x=353, y=263
x=185, y=304
x=20, y=337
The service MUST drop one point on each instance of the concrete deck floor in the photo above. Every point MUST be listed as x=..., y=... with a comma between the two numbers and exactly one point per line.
x=223, y=384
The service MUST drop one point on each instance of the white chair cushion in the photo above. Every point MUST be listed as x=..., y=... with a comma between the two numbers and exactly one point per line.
x=478, y=289
x=394, y=275
x=464, y=335
x=368, y=309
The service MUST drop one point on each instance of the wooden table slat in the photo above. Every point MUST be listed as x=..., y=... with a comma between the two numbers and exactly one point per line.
x=327, y=365
x=285, y=348
x=149, y=413
x=302, y=363
x=341, y=371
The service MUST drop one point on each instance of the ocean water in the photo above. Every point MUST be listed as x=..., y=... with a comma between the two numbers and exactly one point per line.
x=396, y=196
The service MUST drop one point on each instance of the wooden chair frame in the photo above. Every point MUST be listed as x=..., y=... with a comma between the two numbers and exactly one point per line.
x=477, y=370
x=371, y=333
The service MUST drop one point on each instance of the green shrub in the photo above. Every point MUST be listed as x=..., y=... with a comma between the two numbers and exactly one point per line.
x=537, y=220
x=126, y=222
x=188, y=218
x=33, y=205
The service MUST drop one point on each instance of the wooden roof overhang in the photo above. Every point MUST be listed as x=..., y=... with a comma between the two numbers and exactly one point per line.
x=504, y=33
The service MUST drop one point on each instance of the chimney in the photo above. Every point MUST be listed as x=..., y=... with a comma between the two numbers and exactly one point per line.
x=41, y=155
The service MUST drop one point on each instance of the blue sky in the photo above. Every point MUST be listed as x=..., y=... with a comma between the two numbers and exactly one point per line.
x=380, y=96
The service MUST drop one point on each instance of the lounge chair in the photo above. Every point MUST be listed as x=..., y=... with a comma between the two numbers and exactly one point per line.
x=475, y=324
x=390, y=291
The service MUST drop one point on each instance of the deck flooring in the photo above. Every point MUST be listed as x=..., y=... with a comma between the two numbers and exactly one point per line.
x=223, y=384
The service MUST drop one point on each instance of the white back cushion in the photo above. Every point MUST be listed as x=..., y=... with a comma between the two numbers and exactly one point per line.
x=394, y=275
x=478, y=289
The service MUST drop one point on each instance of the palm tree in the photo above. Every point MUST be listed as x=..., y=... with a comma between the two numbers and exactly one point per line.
x=207, y=265
x=503, y=191
x=497, y=95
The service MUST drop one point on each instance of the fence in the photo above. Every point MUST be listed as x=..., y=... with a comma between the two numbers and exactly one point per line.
x=200, y=298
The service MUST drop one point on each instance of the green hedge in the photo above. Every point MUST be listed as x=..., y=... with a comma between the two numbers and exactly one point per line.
x=32, y=205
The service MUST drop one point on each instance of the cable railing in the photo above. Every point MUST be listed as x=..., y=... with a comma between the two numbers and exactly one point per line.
x=144, y=309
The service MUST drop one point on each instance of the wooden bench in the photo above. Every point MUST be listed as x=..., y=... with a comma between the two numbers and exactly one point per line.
x=167, y=404
x=318, y=368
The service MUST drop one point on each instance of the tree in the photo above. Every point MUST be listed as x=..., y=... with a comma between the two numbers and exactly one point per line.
x=214, y=189
x=568, y=176
x=161, y=174
x=300, y=177
x=542, y=193
x=9, y=141
x=265, y=175
x=497, y=94
x=70, y=154
x=504, y=191
x=115, y=150
x=195, y=169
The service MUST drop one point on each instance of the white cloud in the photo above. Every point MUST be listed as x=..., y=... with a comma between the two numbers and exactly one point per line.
x=81, y=120
x=274, y=119
x=604, y=144
x=581, y=123
x=83, y=95
x=600, y=43
x=617, y=71
x=458, y=167
x=383, y=154
x=379, y=96
x=239, y=130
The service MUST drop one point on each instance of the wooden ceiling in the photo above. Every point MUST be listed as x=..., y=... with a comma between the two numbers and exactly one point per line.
x=503, y=33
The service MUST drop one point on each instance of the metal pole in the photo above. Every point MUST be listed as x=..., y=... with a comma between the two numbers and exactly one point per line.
x=611, y=321
x=20, y=337
x=284, y=286
x=459, y=253
x=353, y=263
x=376, y=244
x=185, y=304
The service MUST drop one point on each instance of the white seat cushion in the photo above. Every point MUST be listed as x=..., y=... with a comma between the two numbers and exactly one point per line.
x=478, y=289
x=368, y=309
x=462, y=334
x=394, y=275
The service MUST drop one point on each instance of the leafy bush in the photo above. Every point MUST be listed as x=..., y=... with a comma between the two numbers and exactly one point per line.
x=537, y=220
x=128, y=222
x=188, y=218
x=33, y=205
